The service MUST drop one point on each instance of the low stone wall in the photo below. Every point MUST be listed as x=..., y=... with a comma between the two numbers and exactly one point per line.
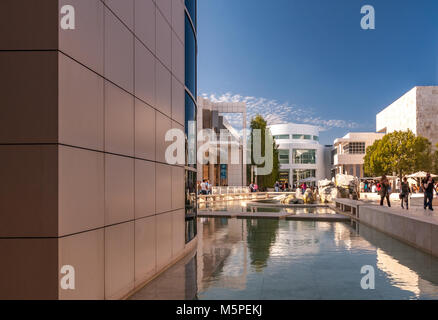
x=414, y=230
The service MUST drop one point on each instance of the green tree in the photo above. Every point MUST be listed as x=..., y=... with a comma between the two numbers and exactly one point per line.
x=435, y=159
x=400, y=152
x=266, y=181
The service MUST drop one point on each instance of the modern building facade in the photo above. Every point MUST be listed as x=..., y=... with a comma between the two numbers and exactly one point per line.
x=232, y=171
x=349, y=152
x=416, y=111
x=85, y=187
x=302, y=157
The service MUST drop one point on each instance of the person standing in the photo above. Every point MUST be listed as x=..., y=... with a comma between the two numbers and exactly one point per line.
x=277, y=186
x=203, y=188
x=405, y=191
x=384, y=191
x=428, y=186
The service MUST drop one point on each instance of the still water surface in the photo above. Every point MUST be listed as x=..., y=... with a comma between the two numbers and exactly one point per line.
x=271, y=259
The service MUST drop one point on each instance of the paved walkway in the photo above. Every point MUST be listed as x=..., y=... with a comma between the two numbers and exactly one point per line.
x=417, y=213
x=416, y=210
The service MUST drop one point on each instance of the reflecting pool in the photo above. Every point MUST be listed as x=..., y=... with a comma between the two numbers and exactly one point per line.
x=277, y=259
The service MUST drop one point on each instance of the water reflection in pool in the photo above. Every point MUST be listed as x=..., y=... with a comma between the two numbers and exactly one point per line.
x=242, y=207
x=271, y=259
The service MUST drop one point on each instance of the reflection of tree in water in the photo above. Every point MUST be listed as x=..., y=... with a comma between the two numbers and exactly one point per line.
x=261, y=236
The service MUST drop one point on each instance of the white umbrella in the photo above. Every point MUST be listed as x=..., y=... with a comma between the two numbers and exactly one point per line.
x=421, y=174
x=388, y=177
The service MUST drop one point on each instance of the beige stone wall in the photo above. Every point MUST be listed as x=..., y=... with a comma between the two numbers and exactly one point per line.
x=427, y=113
x=400, y=115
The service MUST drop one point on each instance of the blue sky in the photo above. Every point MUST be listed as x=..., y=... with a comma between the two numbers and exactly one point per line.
x=309, y=61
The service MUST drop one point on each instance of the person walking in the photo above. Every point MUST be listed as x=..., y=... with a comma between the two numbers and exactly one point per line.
x=277, y=186
x=428, y=185
x=384, y=191
x=405, y=191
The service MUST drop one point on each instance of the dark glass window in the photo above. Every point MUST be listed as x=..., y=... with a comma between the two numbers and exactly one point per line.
x=191, y=8
x=355, y=148
x=283, y=156
x=282, y=137
x=190, y=109
x=190, y=58
x=304, y=156
x=190, y=131
x=301, y=137
x=191, y=205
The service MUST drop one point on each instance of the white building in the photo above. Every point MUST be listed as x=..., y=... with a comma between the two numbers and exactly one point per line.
x=210, y=116
x=417, y=110
x=302, y=157
x=349, y=152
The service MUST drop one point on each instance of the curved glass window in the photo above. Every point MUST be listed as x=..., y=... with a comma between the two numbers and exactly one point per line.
x=191, y=8
x=282, y=137
x=190, y=131
x=301, y=137
x=190, y=58
x=191, y=205
x=190, y=109
x=304, y=156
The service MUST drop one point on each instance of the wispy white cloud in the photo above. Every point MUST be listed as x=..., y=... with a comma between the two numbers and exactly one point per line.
x=275, y=112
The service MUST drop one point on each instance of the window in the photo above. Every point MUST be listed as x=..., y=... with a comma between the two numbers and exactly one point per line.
x=190, y=57
x=191, y=205
x=282, y=137
x=301, y=137
x=315, y=138
x=283, y=156
x=190, y=115
x=304, y=156
x=191, y=8
x=354, y=148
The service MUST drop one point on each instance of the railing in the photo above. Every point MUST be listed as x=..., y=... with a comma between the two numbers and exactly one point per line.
x=234, y=197
x=229, y=190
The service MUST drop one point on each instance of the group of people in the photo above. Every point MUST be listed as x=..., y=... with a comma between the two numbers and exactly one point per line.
x=204, y=187
x=281, y=187
x=253, y=187
x=427, y=185
x=286, y=187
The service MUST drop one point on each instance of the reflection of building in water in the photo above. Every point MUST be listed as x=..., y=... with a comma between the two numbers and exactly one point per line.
x=403, y=277
x=222, y=250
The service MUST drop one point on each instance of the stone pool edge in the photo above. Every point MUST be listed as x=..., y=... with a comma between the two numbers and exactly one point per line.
x=414, y=231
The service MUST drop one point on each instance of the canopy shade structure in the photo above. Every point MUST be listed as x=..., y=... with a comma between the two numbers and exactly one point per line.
x=421, y=174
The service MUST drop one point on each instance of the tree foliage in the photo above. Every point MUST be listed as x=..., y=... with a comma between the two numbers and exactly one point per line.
x=266, y=181
x=400, y=153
